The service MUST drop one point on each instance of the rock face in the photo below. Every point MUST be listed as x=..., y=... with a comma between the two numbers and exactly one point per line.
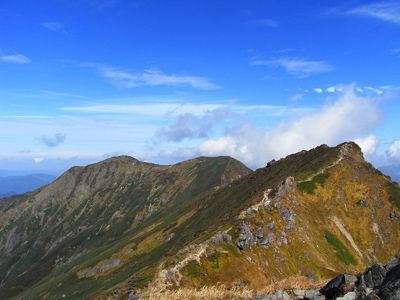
x=376, y=282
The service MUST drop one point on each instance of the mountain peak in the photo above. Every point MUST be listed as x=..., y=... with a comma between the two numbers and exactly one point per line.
x=351, y=149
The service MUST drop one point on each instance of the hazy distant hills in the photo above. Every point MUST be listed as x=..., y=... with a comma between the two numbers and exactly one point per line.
x=19, y=184
x=393, y=171
x=125, y=227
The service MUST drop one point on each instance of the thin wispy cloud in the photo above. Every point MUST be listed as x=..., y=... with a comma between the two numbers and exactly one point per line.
x=388, y=11
x=53, y=141
x=154, y=77
x=14, y=58
x=297, y=67
x=55, y=26
x=177, y=109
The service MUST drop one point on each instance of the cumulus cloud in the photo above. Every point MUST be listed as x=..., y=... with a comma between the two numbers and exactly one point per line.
x=55, y=26
x=54, y=141
x=368, y=144
x=394, y=151
x=14, y=58
x=297, y=67
x=388, y=11
x=346, y=118
x=153, y=77
x=191, y=126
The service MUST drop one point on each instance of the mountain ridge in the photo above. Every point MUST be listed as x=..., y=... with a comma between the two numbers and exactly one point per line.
x=197, y=223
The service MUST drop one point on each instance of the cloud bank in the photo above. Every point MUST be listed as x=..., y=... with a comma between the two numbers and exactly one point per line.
x=347, y=118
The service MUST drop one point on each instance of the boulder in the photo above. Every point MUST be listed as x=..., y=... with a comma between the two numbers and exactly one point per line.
x=279, y=295
x=348, y=296
x=220, y=238
x=333, y=288
x=390, y=287
x=313, y=295
x=374, y=275
x=393, y=263
x=246, y=238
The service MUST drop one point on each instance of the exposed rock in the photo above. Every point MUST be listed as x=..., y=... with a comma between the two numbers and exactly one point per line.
x=348, y=296
x=393, y=263
x=12, y=240
x=271, y=163
x=390, y=289
x=271, y=226
x=299, y=293
x=133, y=296
x=268, y=240
x=246, y=237
x=333, y=288
x=374, y=275
x=220, y=238
x=260, y=233
x=394, y=217
x=313, y=295
x=279, y=295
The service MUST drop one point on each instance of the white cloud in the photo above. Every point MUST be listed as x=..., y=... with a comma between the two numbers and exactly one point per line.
x=55, y=26
x=318, y=90
x=394, y=150
x=38, y=160
x=388, y=11
x=14, y=58
x=334, y=89
x=376, y=91
x=297, y=67
x=368, y=144
x=345, y=119
x=154, y=77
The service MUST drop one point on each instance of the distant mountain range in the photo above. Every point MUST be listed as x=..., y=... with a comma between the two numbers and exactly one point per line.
x=393, y=171
x=19, y=184
x=124, y=229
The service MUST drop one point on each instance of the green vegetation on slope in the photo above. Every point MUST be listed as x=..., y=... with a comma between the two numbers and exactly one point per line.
x=310, y=186
x=341, y=251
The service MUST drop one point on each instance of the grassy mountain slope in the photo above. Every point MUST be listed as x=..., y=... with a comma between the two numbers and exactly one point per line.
x=122, y=226
x=336, y=213
x=89, y=213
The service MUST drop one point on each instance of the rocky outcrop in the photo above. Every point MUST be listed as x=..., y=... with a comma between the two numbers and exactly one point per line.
x=376, y=282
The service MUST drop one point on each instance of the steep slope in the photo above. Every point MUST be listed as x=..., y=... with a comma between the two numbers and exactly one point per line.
x=89, y=213
x=123, y=227
x=314, y=214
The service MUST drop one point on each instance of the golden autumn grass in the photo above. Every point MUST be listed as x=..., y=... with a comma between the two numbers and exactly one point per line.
x=222, y=293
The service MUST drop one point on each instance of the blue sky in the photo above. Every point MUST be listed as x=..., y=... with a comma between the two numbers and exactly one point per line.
x=170, y=80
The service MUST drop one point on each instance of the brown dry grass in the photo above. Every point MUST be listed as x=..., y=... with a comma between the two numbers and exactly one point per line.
x=222, y=293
